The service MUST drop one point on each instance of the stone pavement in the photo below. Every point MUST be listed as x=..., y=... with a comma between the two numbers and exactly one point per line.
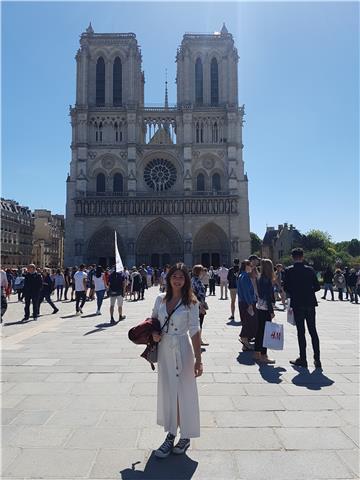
x=78, y=402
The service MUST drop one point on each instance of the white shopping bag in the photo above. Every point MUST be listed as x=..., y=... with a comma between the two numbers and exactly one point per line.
x=290, y=316
x=273, y=336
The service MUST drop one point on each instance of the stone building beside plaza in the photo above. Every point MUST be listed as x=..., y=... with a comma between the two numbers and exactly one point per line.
x=17, y=227
x=278, y=242
x=48, y=239
x=169, y=180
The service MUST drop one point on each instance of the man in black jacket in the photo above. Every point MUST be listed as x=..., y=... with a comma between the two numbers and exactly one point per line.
x=301, y=284
x=31, y=291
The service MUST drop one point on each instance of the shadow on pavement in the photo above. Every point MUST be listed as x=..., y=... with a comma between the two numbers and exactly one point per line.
x=101, y=327
x=73, y=315
x=90, y=315
x=315, y=380
x=246, y=358
x=270, y=373
x=232, y=323
x=177, y=467
x=20, y=322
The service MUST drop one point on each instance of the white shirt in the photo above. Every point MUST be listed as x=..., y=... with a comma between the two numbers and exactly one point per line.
x=99, y=282
x=223, y=272
x=79, y=284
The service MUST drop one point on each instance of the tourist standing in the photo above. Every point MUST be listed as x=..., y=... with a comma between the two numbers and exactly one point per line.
x=99, y=287
x=223, y=273
x=177, y=395
x=73, y=271
x=340, y=283
x=4, y=285
x=264, y=307
x=46, y=290
x=232, y=277
x=199, y=292
x=205, y=279
x=300, y=284
x=212, y=281
x=352, y=286
x=247, y=308
x=32, y=288
x=80, y=279
x=67, y=282
x=279, y=283
x=136, y=282
x=116, y=294
x=328, y=278
x=59, y=282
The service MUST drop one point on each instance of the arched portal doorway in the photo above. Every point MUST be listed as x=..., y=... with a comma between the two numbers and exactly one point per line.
x=159, y=243
x=211, y=246
x=101, y=248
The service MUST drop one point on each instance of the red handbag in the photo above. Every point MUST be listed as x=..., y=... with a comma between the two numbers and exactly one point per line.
x=141, y=333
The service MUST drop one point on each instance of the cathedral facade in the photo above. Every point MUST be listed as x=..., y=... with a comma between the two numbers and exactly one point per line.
x=169, y=180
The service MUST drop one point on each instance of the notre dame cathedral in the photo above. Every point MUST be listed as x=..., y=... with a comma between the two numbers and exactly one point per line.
x=169, y=180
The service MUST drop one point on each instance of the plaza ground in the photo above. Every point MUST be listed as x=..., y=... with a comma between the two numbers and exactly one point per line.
x=79, y=402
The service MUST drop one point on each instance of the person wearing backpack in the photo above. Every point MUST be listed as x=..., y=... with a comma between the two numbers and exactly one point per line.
x=340, y=283
x=116, y=294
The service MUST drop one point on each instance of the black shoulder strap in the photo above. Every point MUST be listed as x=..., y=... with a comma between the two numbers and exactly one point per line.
x=168, y=318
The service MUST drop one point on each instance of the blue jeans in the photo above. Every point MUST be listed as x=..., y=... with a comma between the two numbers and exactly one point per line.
x=99, y=298
x=328, y=286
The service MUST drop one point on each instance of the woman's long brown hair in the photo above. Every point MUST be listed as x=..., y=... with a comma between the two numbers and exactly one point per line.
x=187, y=295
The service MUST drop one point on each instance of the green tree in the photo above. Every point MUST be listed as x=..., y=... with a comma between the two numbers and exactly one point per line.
x=255, y=242
x=354, y=247
x=316, y=239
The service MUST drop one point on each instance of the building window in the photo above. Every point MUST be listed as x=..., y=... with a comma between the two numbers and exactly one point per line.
x=200, y=182
x=100, y=183
x=118, y=185
x=118, y=133
x=216, y=182
x=160, y=174
x=198, y=82
x=214, y=80
x=117, y=82
x=215, y=133
x=98, y=133
x=100, y=82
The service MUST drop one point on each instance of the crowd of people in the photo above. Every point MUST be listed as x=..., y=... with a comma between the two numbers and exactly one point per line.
x=254, y=286
x=80, y=284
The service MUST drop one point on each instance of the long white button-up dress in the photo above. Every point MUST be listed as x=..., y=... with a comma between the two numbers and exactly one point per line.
x=176, y=378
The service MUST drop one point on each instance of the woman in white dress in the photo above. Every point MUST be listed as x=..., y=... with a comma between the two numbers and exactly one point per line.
x=179, y=362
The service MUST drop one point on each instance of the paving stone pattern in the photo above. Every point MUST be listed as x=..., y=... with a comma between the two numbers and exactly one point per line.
x=78, y=401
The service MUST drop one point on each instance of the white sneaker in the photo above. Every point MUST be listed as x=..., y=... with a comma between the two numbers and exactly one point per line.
x=80, y=310
x=98, y=312
x=77, y=314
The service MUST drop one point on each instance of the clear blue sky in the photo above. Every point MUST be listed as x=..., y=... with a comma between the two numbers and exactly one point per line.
x=298, y=78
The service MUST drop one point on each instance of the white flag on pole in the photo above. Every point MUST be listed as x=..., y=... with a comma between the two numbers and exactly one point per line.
x=118, y=261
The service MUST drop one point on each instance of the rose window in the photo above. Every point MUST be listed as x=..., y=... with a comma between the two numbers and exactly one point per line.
x=160, y=174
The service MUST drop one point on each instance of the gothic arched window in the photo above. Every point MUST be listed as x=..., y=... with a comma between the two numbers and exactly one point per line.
x=118, y=185
x=100, y=183
x=214, y=82
x=200, y=182
x=100, y=82
x=216, y=182
x=117, y=82
x=199, y=82
x=215, y=133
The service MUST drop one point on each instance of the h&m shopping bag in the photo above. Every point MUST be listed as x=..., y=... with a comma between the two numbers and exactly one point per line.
x=273, y=336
